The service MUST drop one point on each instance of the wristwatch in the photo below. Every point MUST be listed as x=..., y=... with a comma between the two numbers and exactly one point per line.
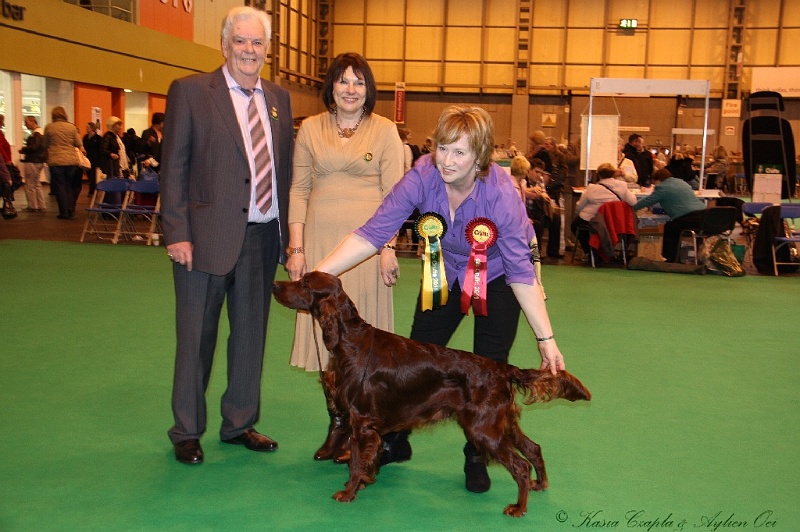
x=294, y=251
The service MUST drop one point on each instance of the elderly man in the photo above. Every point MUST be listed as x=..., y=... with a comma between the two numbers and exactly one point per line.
x=225, y=178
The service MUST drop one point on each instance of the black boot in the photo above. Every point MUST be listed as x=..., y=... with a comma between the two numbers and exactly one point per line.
x=477, y=478
x=396, y=447
x=336, y=443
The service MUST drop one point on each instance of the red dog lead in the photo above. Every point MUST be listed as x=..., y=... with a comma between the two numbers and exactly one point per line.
x=388, y=383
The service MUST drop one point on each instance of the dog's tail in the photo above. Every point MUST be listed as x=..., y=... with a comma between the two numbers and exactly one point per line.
x=542, y=386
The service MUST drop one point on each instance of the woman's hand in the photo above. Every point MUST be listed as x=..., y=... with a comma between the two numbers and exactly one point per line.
x=390, y=268
x=296, y=266
x=552, y=359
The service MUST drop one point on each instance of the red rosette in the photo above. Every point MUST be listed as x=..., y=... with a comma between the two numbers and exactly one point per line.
x=481, y=233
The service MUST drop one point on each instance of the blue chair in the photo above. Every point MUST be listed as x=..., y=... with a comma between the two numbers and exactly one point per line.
x=102, y=214
x=789, y=213
x=139, y=219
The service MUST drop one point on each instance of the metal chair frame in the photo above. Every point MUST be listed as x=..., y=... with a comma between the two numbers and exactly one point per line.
x=718, y=221
x=789, y=212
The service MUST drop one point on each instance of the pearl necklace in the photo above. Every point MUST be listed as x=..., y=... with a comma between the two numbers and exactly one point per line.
x=347, y=132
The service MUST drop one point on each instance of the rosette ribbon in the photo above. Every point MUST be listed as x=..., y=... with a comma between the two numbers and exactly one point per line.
x=481, y=234
x=432, y=227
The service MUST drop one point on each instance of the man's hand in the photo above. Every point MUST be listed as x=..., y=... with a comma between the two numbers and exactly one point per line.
x=181, y=252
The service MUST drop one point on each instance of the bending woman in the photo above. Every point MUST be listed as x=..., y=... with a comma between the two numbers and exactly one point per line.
x=457, y=189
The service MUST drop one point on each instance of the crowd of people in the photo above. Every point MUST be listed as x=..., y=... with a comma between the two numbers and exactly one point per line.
x=54, y=154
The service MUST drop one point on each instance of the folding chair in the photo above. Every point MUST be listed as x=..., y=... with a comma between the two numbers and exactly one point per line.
x=789, y=213
x=102, y=214
x=718, y=221
x=139, y=216
x=619, y=231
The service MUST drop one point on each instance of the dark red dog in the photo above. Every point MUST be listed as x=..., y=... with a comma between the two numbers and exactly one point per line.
x=387, y=383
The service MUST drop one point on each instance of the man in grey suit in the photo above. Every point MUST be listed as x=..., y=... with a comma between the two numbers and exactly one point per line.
x=225, y=241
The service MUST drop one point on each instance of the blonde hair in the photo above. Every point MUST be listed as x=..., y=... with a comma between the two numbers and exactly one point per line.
x=520, y=166
x=459, y=120
x=606, y=170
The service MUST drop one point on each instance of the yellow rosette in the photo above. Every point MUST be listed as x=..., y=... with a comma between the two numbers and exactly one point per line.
x=432, y=227
x=481, y=234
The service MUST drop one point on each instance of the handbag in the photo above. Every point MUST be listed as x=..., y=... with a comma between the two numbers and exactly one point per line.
x=83, y=161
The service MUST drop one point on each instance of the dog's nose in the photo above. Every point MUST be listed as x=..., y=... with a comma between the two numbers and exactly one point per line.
x=276, y=287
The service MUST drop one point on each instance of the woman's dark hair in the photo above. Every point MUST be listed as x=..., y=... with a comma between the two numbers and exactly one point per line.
x=360, y=68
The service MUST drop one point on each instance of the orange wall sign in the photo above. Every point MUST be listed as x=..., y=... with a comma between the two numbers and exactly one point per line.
x=173, y=17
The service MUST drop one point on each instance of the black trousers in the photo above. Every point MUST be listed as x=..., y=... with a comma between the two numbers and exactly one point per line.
x=672, y=232
x=493, y=335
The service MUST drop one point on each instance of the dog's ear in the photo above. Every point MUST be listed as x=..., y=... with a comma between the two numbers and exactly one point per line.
x=328, y=317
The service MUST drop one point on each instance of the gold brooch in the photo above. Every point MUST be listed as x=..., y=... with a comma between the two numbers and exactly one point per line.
x=273, y=113
x=368, y=156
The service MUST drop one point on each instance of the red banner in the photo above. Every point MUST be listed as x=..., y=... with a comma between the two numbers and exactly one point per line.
x=399, y=102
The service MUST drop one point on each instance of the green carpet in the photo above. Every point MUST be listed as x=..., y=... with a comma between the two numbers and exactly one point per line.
x=693, y=425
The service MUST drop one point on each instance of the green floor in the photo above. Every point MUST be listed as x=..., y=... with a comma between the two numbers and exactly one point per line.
x=693, y=424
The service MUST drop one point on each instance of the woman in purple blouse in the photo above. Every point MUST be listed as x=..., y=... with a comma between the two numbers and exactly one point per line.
x=475, y=224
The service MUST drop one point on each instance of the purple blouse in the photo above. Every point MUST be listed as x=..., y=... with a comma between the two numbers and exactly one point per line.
x=493, y=197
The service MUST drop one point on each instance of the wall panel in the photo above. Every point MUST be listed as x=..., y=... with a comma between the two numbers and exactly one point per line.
x=348, y=39
x=761, y=46
x=426, y=75
x=496, y=45
x=669, y=47
x=709, y=47
x=626, y=49
x=789, y=53
x=464, y=12
x=462, y=74
x=385, y=42
x=585, y=46
x=463, y=44
x=384, y=12
x=424, y=43
x=349, y=11
x=549, y=14
x=547, y=45
x=665, y=13
x=425, y=12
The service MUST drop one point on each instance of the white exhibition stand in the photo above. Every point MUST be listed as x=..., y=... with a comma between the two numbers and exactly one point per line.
x=622, y=87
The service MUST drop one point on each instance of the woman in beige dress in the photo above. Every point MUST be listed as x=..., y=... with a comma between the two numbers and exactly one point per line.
x=345, y=162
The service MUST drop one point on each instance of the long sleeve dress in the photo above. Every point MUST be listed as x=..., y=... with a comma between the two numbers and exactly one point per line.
x=336, y=187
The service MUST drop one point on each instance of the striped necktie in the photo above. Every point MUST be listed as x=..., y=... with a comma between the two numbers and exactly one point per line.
x=263, y=161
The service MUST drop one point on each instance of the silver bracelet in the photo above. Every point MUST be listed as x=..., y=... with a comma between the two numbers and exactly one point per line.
x=546, y=338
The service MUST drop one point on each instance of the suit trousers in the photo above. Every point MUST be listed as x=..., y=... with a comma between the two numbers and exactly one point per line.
x=199, y=301
x=494, y=333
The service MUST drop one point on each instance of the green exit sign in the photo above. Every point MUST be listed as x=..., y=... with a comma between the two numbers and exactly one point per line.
x=628, y=23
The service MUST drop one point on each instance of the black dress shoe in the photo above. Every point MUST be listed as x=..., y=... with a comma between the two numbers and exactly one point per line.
x=396, y=448
x=189, y=452
x=254, y=441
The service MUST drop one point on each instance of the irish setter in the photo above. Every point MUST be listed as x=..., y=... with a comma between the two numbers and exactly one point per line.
x=388, y=383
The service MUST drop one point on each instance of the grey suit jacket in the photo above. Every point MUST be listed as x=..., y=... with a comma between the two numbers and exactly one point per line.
x=205, y=175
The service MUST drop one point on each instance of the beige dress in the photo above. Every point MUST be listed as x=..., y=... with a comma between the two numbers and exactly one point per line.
x=335, y=189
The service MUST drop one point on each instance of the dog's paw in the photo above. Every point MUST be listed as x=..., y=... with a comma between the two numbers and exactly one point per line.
x=344, y=496
x=515, y=510
x=539, y=485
